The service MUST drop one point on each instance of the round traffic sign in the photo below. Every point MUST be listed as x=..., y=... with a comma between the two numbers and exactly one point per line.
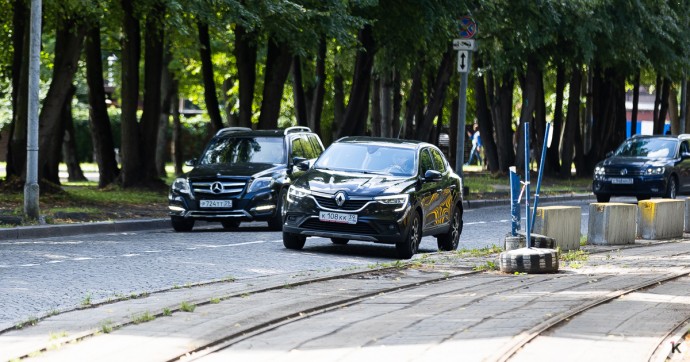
x=468, y=27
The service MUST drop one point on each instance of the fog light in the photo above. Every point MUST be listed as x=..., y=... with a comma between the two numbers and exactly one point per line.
x=175, y=208
x=265, y=207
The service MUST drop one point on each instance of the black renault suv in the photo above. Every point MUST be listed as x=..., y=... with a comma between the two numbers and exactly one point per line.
x=376, y=189
x=242, y=175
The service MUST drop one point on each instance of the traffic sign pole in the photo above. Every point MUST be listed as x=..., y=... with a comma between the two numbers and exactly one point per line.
x=462, y=109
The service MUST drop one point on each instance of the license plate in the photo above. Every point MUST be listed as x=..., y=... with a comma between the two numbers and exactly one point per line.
x=215, y=203
x=621, y=180
x=338, y=217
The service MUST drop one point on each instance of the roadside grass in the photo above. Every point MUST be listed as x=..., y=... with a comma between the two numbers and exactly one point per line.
x=485, y=183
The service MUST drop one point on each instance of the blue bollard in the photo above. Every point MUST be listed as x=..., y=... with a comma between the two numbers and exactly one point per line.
x=541, y=170
x=514, y=200
x=528, y=227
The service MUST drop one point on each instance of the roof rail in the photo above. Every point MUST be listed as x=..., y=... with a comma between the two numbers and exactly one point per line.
x=296, y=129
x=233, y=129
x=684, y=136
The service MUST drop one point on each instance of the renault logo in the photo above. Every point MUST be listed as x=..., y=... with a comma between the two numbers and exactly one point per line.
x=624, y=171
x=216, y=187
x=340, y=198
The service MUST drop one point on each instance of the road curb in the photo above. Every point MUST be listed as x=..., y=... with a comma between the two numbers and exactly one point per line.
x=44, y=231
x=473, y=204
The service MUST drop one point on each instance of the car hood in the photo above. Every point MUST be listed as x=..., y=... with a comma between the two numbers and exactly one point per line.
x=634, y=162
x=354, y=183
x=240, y=170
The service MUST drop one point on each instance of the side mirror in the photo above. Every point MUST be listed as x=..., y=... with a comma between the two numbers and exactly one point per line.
x=191, y=162
x=432, y=175
x=303, y=165
x=685, y=155
x=609, y=154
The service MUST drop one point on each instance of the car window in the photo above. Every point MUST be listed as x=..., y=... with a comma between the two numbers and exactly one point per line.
x=244, y=150
x=684, y=148
x=297, y=149
x=395, y=161
x=316, y=145
x=439, y=162
x=648, y=147
x=309, y=150
x=425, y=161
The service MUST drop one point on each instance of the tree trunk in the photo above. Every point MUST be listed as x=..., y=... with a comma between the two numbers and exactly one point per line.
x=150, y=116
x=609, y=111
x=245, y=58
x=338, y=105
x=166, y=109
x=386, y=101
x=130, y=154
x=486, y=124
x=16, y=150
x=673, y=111
x=356, y=112
x=636, y=102
x=229, y=103
x=299, y=93
x=529, y=101
x=663, y=109
x=572, y=122
x=415, y=98
x=278, y=61
x=502, y=113
x=69, y=146
x=397, y=104
x=552, y=165
x=68, y=46
x=101, y=132
x=538, y=136
x=319, y=90
x=657, y=101
x=178, y=155
x=210, y=94
x=376, y=107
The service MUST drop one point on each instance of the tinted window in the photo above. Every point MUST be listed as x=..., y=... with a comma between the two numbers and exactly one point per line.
x=244, y=150
x=425, y=161
x=297, y=149
x=316, y=145
x=379, y=159
x=439, y=162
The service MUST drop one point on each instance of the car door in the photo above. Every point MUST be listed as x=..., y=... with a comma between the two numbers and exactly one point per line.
x=429, y=197
x=683, y=167
x=445, y=188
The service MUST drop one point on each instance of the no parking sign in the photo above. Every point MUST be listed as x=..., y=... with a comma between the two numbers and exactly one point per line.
x=468, y=27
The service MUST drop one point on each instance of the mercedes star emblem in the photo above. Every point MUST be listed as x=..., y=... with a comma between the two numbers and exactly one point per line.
x=216, y=187
x=340, y=198
x=624, y=171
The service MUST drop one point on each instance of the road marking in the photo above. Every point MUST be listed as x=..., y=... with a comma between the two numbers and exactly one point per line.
x=130, y=255
x=82, y=258
x=237, y=244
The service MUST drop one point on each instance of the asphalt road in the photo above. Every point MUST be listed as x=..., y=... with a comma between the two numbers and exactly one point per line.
x=40, y=276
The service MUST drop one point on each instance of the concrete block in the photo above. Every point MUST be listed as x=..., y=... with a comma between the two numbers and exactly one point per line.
x=561, y=223
x=660, y=219
x=611, y=223
x=687, y=215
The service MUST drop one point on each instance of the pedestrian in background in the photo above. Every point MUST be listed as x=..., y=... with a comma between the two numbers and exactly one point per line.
x=476, y=147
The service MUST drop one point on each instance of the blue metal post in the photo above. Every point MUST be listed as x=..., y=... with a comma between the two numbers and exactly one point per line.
x=514, y=200
x=541, y=170
x=528, y=228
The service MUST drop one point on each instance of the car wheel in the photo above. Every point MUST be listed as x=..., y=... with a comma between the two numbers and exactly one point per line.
x=181, y=224
x=293, y=241
x=450, y=240
x=603, y=198
x=276, y=222
x=671, y=188
x=230, y=224
x=339, y=241
x=407, y=247
x=643, y=197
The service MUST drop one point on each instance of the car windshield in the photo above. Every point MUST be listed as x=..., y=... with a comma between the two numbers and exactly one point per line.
x=369, y=158
x=648, y=147
x=244, y=150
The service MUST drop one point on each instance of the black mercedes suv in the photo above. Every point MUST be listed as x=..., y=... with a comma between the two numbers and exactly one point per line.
x=242, y=175
x=376, y=189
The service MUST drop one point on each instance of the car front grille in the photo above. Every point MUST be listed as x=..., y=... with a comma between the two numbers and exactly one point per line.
x=359, y=228
x=329, y=203
x=618, y=171
x=218, y=188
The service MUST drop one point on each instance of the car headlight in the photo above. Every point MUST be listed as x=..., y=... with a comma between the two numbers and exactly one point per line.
x=397, y=200
x=260, y=183
x=655, y=171
x=180, y=185
x=296, y=193
x=599, y=170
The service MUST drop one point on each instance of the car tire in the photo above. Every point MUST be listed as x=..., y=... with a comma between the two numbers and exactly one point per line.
x=181, y=224
x=230, y=224
x=293, y=241
x=671, y=188
x=276, y=222
x=643, y=197
x=407, y=247
x=603, y=198
x=339, y=241
x=450, y=240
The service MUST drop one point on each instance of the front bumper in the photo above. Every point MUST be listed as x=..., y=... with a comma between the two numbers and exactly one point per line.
x=654, y=185
x=260, y=207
